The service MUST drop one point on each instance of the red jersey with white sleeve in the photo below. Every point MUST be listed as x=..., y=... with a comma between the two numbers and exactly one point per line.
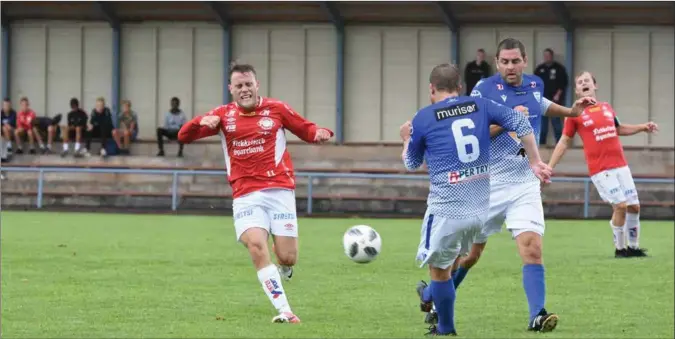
x=24, y=119
x=254, y=143
x=597, y=127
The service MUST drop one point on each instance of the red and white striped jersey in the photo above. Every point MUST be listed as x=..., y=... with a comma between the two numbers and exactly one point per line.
x=254, y=143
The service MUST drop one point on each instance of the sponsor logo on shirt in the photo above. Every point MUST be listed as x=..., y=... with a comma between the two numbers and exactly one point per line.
x=588, y=123
x=266, y=123
x=604, y=133
x=284, y=216
x=246, y=147
x=468, y=174
x=456, y=110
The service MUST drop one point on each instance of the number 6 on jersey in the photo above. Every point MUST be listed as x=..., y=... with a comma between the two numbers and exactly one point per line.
x=462, y=141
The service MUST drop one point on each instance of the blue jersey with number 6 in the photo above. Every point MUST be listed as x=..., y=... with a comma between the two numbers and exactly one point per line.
x=453, y=136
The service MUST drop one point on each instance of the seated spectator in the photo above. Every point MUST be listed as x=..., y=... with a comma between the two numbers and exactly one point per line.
x=46, y=128
x=173, y=120
x=127, y=127
x=100, y=126
x=75, y=128
x=8, y=123
x=24, y=126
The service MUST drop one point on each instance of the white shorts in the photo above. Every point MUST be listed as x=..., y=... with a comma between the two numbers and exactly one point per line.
x=518, y=205
x=271, y=209
x=442, y=238
x=616, y=185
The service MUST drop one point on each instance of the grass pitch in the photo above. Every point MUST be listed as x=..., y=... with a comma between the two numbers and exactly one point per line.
x=106, y=275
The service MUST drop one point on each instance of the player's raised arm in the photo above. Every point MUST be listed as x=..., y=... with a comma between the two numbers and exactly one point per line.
x=199, y=127
x=626, y=129
x=413, y=145
x=514, y=121
x=569, y=130
x=303, y=128
x=552, y=109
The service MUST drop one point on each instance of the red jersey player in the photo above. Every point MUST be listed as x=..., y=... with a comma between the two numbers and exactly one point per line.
x=24, y=126
x=599, y=129
x=260, y=171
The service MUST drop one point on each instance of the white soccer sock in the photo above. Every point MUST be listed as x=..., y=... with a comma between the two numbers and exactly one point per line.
x=271, y=282
x=632, y=229
x=65, y=146
x=619, y=236
x=77, y=146
x=9, y=144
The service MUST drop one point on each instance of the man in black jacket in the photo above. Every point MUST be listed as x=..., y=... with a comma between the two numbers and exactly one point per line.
x=476, y=70
x=100, y=125
x=555, y=80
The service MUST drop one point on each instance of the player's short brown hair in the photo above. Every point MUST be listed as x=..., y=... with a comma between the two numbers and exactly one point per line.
x=582, y=73
x=24, y=99
x=445, y=77
x=241, y=68
x=101, y=99
x=126, y=102
x=511, y=43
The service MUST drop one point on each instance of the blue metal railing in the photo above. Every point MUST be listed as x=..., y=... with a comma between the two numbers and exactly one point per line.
x=309, y=175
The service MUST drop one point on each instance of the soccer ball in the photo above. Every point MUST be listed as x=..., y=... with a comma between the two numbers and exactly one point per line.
x=362, y=244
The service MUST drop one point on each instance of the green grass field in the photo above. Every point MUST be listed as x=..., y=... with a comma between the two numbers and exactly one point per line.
x=107, y=275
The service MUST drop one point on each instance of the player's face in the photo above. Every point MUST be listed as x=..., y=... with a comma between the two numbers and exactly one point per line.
x=99, y=106
x=244, y=89
x=584, y=86
x=6, y=106
x=24, y=105
x=510, y=64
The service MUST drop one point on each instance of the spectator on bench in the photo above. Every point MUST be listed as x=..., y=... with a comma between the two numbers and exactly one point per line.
x=77, y=125
x=8, y=123
x=24, y=126
x=46, y=128
x=173, y=120
x=100, y=126
x=127, y=127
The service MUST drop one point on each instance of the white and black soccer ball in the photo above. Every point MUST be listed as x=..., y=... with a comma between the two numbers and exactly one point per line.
x=362, y=244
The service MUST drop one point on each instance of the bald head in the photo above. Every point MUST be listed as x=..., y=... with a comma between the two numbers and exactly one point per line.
x=445, y=78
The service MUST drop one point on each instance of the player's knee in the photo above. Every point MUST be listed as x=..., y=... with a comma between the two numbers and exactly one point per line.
x=620, y=208
x=287, y=257
x=633, y=209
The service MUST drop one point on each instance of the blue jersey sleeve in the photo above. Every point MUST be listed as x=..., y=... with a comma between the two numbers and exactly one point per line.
x=479, y=89
x=414, y=157
x=507, y=118
x=544, y=105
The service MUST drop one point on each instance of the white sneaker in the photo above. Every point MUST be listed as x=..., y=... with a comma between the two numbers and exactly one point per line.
x=103, y=152
x=285, y=272
x=286, y=317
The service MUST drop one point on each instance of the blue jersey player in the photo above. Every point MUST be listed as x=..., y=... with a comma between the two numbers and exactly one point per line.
x=515, y=195
x=453, y=136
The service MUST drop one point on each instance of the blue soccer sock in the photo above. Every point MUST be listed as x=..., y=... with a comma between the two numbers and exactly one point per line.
x=459, y=275
x=443, y=294
x=535, y=287
x=426, y=294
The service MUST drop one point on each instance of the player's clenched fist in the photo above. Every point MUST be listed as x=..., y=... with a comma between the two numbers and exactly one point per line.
x=405, y=130
x=651, y=127
x=321, y=135
x=581, y=104
x=210, y=121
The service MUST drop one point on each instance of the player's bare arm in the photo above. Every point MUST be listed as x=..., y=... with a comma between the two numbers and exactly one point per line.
x=198, y=128
x=625, y=129
x=555, y=110
x=303, y=128
x=563, y=144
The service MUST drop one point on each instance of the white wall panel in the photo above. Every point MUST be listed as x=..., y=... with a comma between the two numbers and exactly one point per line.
x=380, y=65
x=97, y=67
x=630, y=83
x=175, y=69
x=251, y=45
x=139, y=76
x=28, y=60
x=208, y=69
x=64, y=68
x=53, y=61
x=321, y=76
x=662, y=82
